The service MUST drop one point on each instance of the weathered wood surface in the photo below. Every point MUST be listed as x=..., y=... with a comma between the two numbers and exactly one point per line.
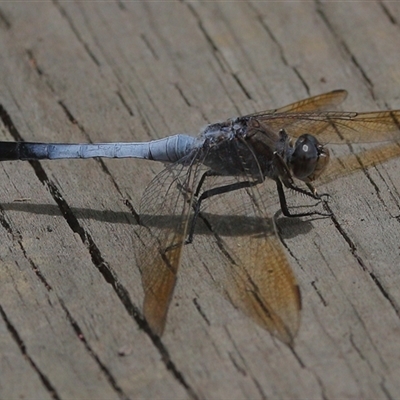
x=69, y=288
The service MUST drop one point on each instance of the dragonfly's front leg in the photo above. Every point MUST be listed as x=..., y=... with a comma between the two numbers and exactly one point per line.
x=285, y=177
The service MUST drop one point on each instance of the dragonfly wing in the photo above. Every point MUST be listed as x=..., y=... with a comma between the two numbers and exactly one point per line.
x=345, y=165
x=336, y=127
x=262, y=283
x=321, y=102
x=249, y=262
x=164, y=212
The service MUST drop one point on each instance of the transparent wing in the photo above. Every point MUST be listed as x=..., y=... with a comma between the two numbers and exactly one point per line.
x=326, y=101
x=335, y=127
x=164, y=213
x=248, y=261
x=350, y=163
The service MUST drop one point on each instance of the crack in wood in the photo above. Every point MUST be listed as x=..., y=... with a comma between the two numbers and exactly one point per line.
x=207, y=37
x=76, y=32
x=21, y=345
x=149, y=46
x=125, y=103
x=4, y=21
x=241, y=85
x=180, y=91
x=245, y=370
x=96, y=358
x=201, y=312
x=282, y=54
x=347, y=50
x=323, y=301
x=386, y=11
x=33, y=62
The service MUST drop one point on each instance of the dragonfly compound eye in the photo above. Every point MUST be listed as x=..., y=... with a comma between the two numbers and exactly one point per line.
x=309, y=158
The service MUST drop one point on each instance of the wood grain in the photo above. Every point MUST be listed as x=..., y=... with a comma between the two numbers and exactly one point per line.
x=70, y=299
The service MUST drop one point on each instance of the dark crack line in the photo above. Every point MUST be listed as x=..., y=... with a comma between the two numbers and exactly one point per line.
x=70, y=117
x=125, y=103
x=367, y=79
x=21, y=345
x=346, y=237
x=385, y=390
x=360, y=353
x=238, y=368
x=215, y=51
x=34, y=63
x=297, y=357
x=145, y=123
x=386, y=11
x=149, y=46
x=39, y=70
x=371, y=181
x=347, y=50
x=4, y=22
x=353, y=250
x=208, y=38
x=221, y=82
x=130, y=207
x=282, y=240
x=98, y=261
x=217, y=55
x=323, y=301
x=35, y=268
x=76, y=32
x=365, y=359
x=282, y=54
x=223, y=63
x=390, y=188
x=241, y=85
x=322, y=387
x=184, y=97
x=246, y=370
x=302, y=80
x=17, y=237
x=384, y=292
x=121, y=4
x=333, y=342
x=274, y=39
x=200, y=310
x=111, y=380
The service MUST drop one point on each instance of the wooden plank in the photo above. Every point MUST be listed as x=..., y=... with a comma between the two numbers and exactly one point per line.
x=71, y=293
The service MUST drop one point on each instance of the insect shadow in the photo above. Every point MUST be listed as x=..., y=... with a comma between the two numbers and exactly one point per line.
x=229, y=225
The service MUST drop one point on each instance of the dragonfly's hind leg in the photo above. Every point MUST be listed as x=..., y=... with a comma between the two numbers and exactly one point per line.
x=210, y=193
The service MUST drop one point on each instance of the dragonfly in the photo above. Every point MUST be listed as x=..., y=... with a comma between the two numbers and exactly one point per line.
x=287, y=146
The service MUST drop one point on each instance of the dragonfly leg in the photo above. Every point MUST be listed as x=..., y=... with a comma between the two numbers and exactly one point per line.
x=206, y=174
x=284, y=206
x=285, y=177
x=314, y=191
x=210, y=193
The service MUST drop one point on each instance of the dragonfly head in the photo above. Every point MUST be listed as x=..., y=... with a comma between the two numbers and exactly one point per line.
x=309, y=158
